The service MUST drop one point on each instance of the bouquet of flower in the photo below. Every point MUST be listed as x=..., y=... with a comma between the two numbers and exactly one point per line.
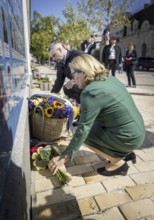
x=55, y=106
x=42, y=154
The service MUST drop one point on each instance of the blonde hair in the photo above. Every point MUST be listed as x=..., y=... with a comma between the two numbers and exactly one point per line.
x=90, y=66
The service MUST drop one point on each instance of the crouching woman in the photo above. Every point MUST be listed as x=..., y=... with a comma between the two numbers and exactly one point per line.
x=110, y=123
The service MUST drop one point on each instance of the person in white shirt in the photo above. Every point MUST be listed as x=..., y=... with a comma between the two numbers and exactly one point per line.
x=111, y=56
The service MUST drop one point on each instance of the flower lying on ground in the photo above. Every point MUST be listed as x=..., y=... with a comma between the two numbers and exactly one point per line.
x=42, y=154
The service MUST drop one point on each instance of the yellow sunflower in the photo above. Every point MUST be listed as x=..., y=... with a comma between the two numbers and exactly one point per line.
x=76, y=111
x=58, y=104
x=49, y=111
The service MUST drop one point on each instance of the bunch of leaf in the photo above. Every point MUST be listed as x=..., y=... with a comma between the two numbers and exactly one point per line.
x=41, y=159
x=46, y=79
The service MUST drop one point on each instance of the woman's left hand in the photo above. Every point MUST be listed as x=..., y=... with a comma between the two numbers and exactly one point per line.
x=56, y=163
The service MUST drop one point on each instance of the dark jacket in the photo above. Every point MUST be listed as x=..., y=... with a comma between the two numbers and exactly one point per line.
x=84, y=45
x=106, y=54
x=133, y=54
x=63, y=70
x=91, y=47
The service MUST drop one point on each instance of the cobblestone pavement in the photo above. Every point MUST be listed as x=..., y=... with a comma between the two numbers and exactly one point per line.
x=90, y=196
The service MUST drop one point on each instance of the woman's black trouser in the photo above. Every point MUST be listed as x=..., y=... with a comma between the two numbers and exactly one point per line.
x=130, y=74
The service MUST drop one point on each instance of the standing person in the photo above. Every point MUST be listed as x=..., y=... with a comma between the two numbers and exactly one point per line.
x=106, y=35
x=111, y=56
x=130, y=62
x=92, y=45
x=84, y=44
x=63, y=57
x=110, y=123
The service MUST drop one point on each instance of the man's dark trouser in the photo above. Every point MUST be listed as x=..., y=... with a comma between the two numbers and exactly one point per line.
x=112, y=66
x=73, y=93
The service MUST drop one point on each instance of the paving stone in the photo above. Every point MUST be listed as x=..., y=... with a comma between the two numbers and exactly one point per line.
x=119, y=182
x=101, y=163
x=145, y=166
x=144, y=177
x=88, y=206
x=132, y=169
x=111, y=214
x=147, y=155
x=149, y=150
x=137, y=209
x=141, y=191
x=86, y=159
x=80, y=153
x=60, y=211
x=43, y=184
x=42, y=174
x=94, y=177
x=54, y=196
x=88, y=190
x=76, y=181
x=108, y=200
x=150, y=217
x=80, y=169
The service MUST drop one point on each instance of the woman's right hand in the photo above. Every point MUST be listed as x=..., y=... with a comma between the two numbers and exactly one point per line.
x=56, y=163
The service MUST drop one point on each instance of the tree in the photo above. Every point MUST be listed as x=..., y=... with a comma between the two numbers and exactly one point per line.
x=103, y=14
x=42, y=31
x=75, y=30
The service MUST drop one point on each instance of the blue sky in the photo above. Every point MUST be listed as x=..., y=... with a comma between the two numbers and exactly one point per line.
x=50, y=7
x=55, y=7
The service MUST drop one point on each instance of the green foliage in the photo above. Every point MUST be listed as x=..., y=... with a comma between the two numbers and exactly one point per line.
x=42, y=31
x=107, y=13
x=91, y=14
x=75, y=30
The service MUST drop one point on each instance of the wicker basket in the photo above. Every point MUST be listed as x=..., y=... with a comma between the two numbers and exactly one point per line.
x=47, y=129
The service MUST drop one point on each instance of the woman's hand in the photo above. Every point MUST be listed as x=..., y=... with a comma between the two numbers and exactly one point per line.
x=55, y=164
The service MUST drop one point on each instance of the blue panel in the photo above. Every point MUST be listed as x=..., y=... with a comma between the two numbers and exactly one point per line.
x=13, y=68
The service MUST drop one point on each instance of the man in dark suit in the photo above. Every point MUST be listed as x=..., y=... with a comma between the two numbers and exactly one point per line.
x=63, y=57
x=111, y=56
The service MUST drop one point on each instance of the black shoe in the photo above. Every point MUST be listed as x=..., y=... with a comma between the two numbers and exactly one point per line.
x=119, y=171
x=134, y=86
x=131, y=156
x=75, y=123
x=128, y=86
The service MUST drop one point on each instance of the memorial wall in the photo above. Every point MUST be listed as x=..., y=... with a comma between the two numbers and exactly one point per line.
x=14, y=127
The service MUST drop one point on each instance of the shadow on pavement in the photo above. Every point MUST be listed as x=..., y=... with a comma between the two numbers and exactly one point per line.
x=149, y=140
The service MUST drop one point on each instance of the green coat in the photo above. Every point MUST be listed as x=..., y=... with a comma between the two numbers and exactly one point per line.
x=109, y=120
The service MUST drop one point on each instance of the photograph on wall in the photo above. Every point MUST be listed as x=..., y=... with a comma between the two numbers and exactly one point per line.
x=3, y=93
x=5, y=33
x=10, y=92
x=1, y=51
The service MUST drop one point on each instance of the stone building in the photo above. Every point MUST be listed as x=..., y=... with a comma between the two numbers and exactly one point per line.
x=140, y=32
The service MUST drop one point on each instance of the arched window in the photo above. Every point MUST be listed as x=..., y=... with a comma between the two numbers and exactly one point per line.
x=144, y=50
x=135, y=25
x=145, y=25
x=129, y=30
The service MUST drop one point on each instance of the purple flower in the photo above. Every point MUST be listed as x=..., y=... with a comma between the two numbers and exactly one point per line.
x=30, y=105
